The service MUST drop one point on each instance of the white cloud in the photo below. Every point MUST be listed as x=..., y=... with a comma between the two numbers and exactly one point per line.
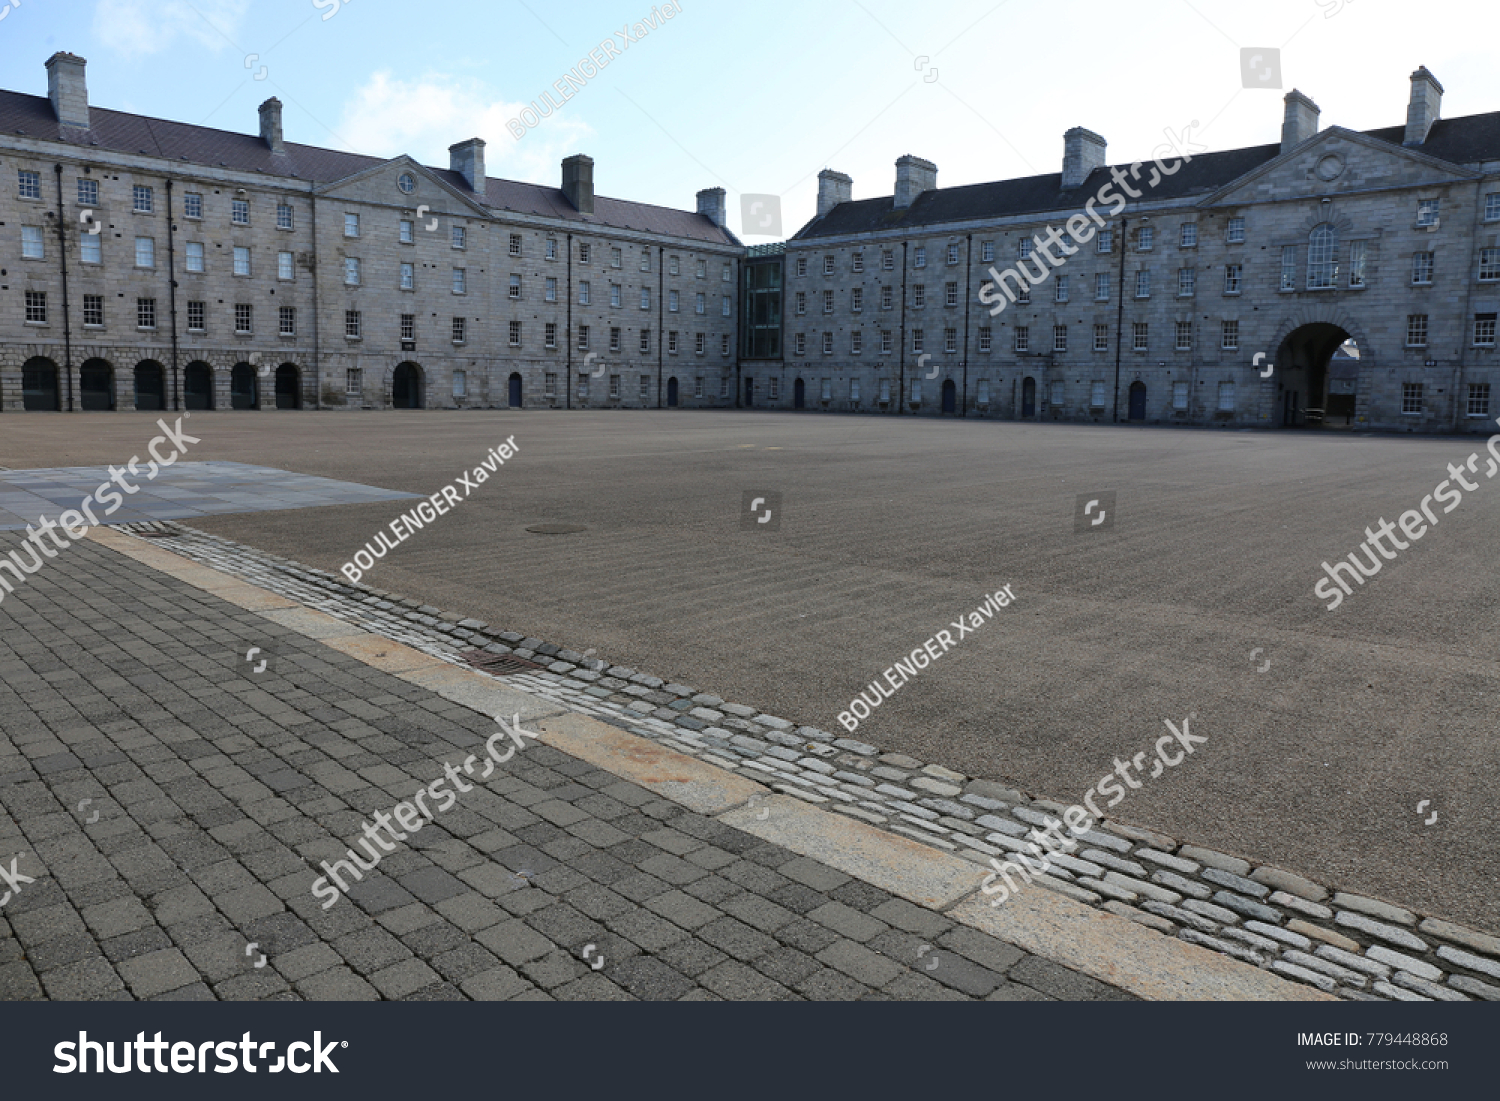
x=423, y=117
x=139, y=29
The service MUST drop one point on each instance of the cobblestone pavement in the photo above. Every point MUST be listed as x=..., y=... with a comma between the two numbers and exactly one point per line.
x=170, y=807
x=1359, y=948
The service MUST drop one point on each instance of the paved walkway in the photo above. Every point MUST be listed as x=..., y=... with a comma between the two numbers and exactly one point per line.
x=169, y=806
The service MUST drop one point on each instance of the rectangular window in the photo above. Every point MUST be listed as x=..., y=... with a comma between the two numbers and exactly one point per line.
x=351, y=225
x=856, y=342
x=1106, y=240
x=145, y=252
x=286, y=265
x=515, y=287
x=857, y=263
x=583, y=338
x=773, y=388
x=1101, y=338
x=645, y=387
x=30, y=184
x=549, y=335
x=1143, y=284
x=1024, y=247
x=724, y=348
x=1096, y=395
x=950, y=293
x=614, y=339
x=952, y=254
x=1184, y=336
x=1023, y=338
x=351, y=323
x=702, y=269
x=1427, y=212
x=645, y=298
x=88, y=192
x=614, y=387
x=801, y=266
x=1492, y=206
x=406, y=235
x=1139, y=332
x=286, y=317
x=645, y=259
x=645, y=341
x=1186, y=282
x=242, y=261
x=887, y=298
x=673, y=303
x=1145, y=238
x=284, y=217
x=1322, y=260
x=549, y=384
x=93, y=309
x=584, y=292
x=888, y=260
x=353, y=380
x=1421, y=267
x=515, y=334
x=987, y=252
x=854, y=389
x=1356, y=263
x=799, y=344
x=1056, y=392
x=1489, y=263
x=616, y=258
x=1024, y=297
x=725, y=308
x=1101, y=286
x=1059, y=338
x=192, y=204
x=31, y=243
x=1484, y=330
x=799, y=304
x=585, y=253
x=916, y=391
x=702, y=303
x=409, y=326
x=1416, y=330
x=1411, y=397
x=1179, y=395
x=827, y=301
x=351, y=271
x=887, y=342
x=1479, y=399
x=1188, y=235
x=460, y=236
x=409, y=277
x=950, y=341
x=460, y=280
x=918, y=296
x=515, y=245
x=918, y=340
x=142, y=201
x=986, y=339
x=1233, y=275
x=828, y=265
x=1229, y=335
x=239, y=212
x=727, y=275
x=461, y=330
x=614, y=295
x=1289, y=267
x=244, y=318
x=674, y=266
x=196, y=317
x=1235, y=231
x=36, y=306
x=919, y=256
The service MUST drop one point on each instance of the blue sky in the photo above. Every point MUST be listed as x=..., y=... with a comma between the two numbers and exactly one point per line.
x=759, y=97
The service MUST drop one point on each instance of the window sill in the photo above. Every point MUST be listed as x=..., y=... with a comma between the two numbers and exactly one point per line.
x=145, y=328
x=353, y=339
x=93, y=328
x=288, y=336
x=197, y=332
x=39, y=324
x=246, y=336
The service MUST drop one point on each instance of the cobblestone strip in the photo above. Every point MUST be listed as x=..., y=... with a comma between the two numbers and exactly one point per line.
x=1359, y=948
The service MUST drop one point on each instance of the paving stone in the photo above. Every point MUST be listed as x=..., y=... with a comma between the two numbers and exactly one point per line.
x=157, y=972
x=1429, y=989
x=936, y=787
x=1248, y=907
x=1458, y=934
x=1470, y=961
x=1473, y=986
x=859, y=963
x=1292, y=884
x=1302, y=974
x=1353, y=961
x=1374, y=907
x=1151, y=921
x=1327, y=936
x=1401, y=962
x=1167, y=860
x=1301, y=906
x=1236, y=883
x=1390, y=933
x=1347, y=976
x=1213, y=859
x=338, y=984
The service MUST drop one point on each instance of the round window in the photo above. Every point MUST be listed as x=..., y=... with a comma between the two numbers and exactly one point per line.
x=1330, y=167
x=406, y=183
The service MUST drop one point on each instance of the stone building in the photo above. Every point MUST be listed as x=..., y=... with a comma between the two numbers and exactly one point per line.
x=1385, y=244
x=150, y=264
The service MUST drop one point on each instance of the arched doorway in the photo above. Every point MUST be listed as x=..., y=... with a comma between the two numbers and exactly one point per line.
x=39, y=390
x=288, y=387
x=198, y=386
x=406, y=387
x=672, y=392
x=244, y=387
x=1028, y=397
x=799, y=395
x=1137, y=401
x=96, y=386
x=749, y=393
x=150, y=391
x=1303, y=375
x=950, y=397
x=515, y=391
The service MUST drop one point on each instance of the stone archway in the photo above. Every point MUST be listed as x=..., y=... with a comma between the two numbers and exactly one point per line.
x=39, y=389
x=198, y=386
x=406, y=387
x=288, y=386
x=1303, y=349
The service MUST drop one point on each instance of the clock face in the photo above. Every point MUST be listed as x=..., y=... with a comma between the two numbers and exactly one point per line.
x=406, y=183
x=1330, y=167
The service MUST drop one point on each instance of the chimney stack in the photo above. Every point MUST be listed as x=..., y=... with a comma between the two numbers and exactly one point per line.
x=712, y=205
x=578, y=182
x=913, y=176
x=67, y=90
x=1300, y=121
x=833, y=188
x=270, y=125
x=1083, y=151
x=467, y=159
x=1425, y=107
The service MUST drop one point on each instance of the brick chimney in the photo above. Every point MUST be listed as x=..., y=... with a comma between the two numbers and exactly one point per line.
x=467, y=159
x=67, y=90
x=578, y=182
x=1425, y=107
x=833, y=188
x=713, y=206
x=270, y=125
x=1300, y=121
x=913, y=176
x=1083, y=151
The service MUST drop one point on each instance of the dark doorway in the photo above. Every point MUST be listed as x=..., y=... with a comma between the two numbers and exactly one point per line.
x=799, y=395
x=198, y=386
x=39, y=386
x=515, y=391
x=1137, y=401
x=406, y=387
x=749, y=393
x=149, y=388
x=96, y=386
x=288, y=387
x=1028, y=398
x=1304, y=372
x=244, y=387
x=672, y=392
x=950, y=397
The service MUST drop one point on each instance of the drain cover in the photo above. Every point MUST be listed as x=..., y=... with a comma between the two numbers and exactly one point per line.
x=498, y=665
x=556, y=529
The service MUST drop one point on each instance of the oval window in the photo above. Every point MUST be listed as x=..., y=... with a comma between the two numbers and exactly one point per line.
x=406, y=183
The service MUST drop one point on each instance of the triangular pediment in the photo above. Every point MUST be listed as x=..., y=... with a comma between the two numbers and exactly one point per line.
x=1334, y=162
x=381, y=183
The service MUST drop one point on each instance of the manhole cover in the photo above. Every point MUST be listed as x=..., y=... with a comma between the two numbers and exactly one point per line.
x=556, y=529
x=498, y=665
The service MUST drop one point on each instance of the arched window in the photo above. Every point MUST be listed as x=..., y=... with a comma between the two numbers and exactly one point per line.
x=1322, y=257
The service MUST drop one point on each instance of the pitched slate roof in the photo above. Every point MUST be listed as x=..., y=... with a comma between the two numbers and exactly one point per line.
x=120, y=132
x=1468, y=140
